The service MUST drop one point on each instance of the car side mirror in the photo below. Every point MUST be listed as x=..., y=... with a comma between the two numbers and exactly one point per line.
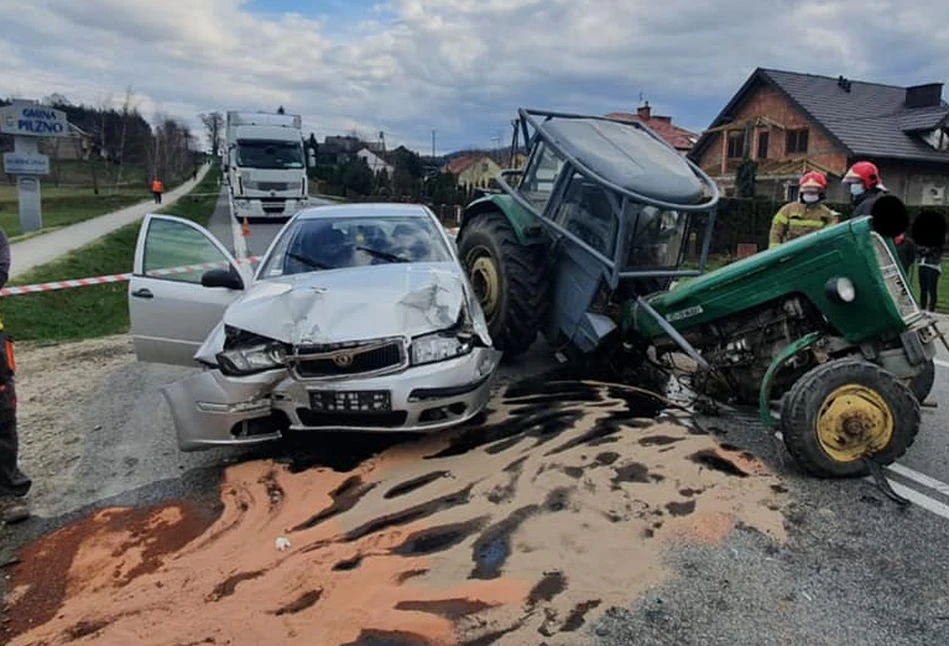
x=222, y=278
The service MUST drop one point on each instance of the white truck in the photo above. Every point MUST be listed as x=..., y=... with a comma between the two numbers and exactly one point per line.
x=265, y=164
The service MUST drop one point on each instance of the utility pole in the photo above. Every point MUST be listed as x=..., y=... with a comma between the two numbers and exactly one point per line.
x=433, y=144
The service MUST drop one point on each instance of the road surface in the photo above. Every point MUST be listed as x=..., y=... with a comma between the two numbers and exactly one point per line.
x=773, y=557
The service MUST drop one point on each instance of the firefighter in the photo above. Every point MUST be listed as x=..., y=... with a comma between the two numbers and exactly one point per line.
x=806, y=215
x=865, y=186
x=14, y=484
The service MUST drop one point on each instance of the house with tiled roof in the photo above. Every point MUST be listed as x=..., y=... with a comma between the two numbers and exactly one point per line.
x=789, y=123
x=679, y=138
x=476, y=169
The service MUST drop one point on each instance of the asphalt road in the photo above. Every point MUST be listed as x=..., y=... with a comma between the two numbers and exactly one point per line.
x=856, y=569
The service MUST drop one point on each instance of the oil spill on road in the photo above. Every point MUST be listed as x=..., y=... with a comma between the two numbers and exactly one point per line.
x=306, y=600
x=415, y=483
x=492, y=533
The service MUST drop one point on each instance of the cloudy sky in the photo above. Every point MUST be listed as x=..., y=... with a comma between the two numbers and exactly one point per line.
x=460, y=67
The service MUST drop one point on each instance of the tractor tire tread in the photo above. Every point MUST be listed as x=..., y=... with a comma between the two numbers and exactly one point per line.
x=523, y=269
x=805, y=398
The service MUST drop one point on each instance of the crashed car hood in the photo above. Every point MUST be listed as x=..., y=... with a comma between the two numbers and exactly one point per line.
x=357, y=304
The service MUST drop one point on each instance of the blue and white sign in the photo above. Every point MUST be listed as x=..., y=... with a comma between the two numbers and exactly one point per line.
x=25, y=164
x=33, y=120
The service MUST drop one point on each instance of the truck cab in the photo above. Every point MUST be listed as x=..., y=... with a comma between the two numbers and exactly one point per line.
x=266, y=165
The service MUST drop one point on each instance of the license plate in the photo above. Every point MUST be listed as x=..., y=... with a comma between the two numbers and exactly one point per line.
x=351, y=401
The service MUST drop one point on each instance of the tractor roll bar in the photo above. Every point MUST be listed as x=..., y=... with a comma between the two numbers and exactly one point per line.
x=528, y=116
x=609, y=262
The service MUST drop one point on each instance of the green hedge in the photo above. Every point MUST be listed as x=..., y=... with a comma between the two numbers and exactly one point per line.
x=748, y=220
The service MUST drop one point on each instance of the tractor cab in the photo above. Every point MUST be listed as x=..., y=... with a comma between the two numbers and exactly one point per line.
x=618, y=207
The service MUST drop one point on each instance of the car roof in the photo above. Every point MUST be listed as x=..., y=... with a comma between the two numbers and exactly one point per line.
x=364, y=209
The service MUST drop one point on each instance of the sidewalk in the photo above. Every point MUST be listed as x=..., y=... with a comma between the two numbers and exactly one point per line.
x=46, y=247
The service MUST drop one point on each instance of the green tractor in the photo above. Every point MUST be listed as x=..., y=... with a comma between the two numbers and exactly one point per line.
x=586, y=244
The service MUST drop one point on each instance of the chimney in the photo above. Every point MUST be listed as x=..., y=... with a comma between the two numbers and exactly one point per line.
x=924, y=96
x=843, y=84
x=643, y=111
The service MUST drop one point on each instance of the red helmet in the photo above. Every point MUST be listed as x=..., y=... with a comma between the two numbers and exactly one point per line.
x=814, y=179
x=864, y=172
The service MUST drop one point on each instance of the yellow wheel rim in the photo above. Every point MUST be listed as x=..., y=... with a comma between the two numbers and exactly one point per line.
x=853, y=422
x=486, y=284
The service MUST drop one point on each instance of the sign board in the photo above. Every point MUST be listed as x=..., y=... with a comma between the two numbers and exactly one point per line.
x=25, y=164
x=33, y=120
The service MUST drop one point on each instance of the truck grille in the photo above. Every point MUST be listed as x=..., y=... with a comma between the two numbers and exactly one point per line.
x=893, y=278
x=349, y=359
x=273, y=186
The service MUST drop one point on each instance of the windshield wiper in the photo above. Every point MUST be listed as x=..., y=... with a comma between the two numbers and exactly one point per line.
x=391, y=257
x=316, y=264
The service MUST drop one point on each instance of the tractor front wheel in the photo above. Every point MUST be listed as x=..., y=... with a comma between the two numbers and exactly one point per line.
x=845, y=410
x=509, y=279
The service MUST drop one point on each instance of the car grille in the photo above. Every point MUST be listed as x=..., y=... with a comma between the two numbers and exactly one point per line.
x=312, y=419
x=349, y=359
x=893, y=278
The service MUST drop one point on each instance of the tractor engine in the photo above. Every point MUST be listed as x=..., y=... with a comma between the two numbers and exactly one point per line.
x=741, y=347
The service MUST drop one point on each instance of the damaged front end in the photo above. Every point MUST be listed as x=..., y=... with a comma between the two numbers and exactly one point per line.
x=307, y=375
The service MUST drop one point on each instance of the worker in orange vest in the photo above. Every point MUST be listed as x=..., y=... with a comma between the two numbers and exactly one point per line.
x=157, y=189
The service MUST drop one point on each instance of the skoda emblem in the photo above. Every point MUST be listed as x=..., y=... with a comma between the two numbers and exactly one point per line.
x=343, y=360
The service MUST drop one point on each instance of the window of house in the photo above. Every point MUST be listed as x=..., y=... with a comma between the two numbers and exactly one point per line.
x=791, y=192
x=797, y=141
x=763, y=138
x=484, y=167
x=736, y=145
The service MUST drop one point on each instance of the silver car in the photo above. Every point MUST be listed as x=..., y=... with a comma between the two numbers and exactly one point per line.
x=358, y=317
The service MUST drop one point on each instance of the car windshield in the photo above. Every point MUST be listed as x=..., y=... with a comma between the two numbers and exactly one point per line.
x=315, y=244
x=656, y=237
x=269, y=154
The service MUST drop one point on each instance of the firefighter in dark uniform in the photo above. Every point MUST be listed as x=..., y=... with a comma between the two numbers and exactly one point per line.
x=14, y=484
x=866, y=187
x=806, y=215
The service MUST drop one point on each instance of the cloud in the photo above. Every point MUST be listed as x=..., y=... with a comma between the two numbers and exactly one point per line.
x=461, y=67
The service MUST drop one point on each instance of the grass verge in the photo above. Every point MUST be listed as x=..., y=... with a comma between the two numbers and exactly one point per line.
x=100, y=310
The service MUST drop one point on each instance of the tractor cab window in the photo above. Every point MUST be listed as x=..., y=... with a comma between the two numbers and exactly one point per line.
x=538, y=181
x=656, y=237
x=587, y=212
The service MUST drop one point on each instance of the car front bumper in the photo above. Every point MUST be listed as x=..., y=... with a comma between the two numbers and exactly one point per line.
x=211, y=409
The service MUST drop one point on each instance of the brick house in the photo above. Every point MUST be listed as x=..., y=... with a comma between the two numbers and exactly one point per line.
x=475, y=170
x=790, y=123
x=677, y=137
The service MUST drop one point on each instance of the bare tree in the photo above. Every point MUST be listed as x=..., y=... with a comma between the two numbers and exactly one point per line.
x=214, y=124
x=126, y=111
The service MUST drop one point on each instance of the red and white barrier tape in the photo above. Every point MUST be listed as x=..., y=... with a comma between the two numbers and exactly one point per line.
x=114, y=278
x=119, y=278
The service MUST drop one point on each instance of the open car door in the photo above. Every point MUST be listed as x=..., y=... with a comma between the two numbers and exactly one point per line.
x=171, y=311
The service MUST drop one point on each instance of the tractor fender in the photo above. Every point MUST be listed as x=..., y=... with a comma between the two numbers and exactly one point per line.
x=526, y=226
x=764, y=396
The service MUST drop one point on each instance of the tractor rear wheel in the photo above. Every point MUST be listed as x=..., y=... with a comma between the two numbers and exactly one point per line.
x=844, y=410
x=509, y=279
x=922, y=383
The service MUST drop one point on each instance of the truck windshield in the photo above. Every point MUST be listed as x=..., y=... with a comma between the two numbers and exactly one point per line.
x=269, y=154
x=656, y=237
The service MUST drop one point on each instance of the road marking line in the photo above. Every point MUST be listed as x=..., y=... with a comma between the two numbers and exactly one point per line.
x=920, y=478
x=920, y=499
x=240, y=244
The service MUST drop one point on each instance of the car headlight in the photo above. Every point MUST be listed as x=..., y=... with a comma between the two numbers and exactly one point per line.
x=841, y=290
x=438, y=347
x=252, y=359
